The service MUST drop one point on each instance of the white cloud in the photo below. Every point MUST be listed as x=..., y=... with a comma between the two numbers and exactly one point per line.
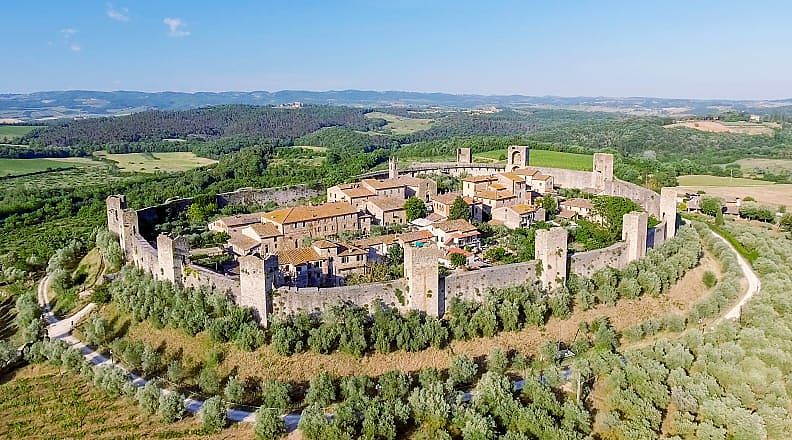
x=68, y=32
x=121, y=14
x=74, y=47
x=176, y=27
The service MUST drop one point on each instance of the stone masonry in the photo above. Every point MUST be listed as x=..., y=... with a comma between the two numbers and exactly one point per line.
x=517, y=157
x=423, y=282
x=634, y=234
x=115, y=213
x=551, y=250
x=172, y=256
x=602, y=173
x=393, y=168
x=464, y=155
x=256, y=285
x=668, y=212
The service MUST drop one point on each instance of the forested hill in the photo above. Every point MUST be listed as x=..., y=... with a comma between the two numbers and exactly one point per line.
x=204, y=123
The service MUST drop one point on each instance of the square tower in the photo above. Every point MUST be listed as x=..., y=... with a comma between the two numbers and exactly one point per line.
x=602, y=173
x=423, y=278
x=668, y=212
x=256, y=282
x=517, y=156
x=551, y=250
x=393, y=168
x=634, y=231
x=172, y=256
x=115, y=206
x=464, y=155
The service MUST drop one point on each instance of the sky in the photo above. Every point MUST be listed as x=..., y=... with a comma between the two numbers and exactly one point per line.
x=673, y=49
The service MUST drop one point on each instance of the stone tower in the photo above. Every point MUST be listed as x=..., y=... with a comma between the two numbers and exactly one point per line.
x=423, y=279
x=517, y=157
x=464, y=155
x=256, y=283
x=393, y=168
x=129, y=228
x=115, y=213
x=668, y=211
x=602, y=174
x=551, y=250
x=634, y=234
x=172, y=256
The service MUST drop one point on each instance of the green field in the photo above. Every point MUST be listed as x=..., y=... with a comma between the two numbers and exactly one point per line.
x=9, y=132
x=703, y=180
x=153, y=162
x=545, y=158
x=399, y=124
x=16, y=167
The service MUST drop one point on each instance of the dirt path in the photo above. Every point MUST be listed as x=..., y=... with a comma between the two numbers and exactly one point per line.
x=754, y=284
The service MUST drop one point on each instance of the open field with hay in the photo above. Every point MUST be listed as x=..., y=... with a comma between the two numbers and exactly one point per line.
x=19, y=167
x=705, y=180
x=750, y=128
x=10, y=132
x=399, y=124
x=759, y=166
x=154, y=162
x=774, y=195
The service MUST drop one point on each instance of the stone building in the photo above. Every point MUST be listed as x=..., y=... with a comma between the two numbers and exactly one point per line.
x=300, y=222
x=442, y=203
x=518, y=216
x=386, y=210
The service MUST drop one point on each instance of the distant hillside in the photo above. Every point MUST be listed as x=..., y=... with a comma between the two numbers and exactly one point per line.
x=202, y=123
x=77, y=103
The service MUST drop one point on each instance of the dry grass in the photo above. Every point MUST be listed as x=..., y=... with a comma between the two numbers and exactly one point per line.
x=775, y=195
x=153, y=162
x=399, y=124
x=265, y=363
x=750, y=128
x=39, y=402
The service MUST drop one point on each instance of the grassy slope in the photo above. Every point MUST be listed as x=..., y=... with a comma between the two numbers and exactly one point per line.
x=152, y=162
x=41, y=402
x=15, y=167
x=401, y=125
x=14, y=131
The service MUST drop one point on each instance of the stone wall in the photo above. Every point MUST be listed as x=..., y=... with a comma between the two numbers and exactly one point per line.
x=287, y=300
x=196, y=276
x=586, y=263
x=281, y=196
x=473, y=285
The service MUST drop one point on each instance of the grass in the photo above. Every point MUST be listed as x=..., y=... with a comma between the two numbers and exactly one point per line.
x=545, y=158
x=400, y=124
x=704, y=180
x=15, y=131
x=17, y=167
x=758, y=166
x=40, y=402
x=153, y=162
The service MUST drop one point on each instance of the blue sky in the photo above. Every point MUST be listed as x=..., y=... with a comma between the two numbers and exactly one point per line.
x=696, y=49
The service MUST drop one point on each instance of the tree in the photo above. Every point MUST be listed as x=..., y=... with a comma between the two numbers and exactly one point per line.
x=458, y=259
x=234, y=390
x=322, y=390
x=459, y=209
x=148, y=397
x=786, y=222
x=711, y=205
x=415, y=208
x=171, y=407
x=549, y=204
x=462, y=370
x=213, y=415
x=275, y=395
x=269, y=425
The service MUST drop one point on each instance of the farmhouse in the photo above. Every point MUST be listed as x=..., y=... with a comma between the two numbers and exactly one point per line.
x=296, y=223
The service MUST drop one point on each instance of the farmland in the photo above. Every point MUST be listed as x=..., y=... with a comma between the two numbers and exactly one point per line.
x=11, y=132
x=18, y=167
x=759, y=166
x=704, y=180
x=399, y=124
x=749, y=128
x=154, y=162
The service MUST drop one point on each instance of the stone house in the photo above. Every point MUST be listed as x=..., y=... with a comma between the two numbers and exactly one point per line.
x=456, y=233
x=518, y=216
x=352, y=193
x=376, y=247
x=386, y=210
x=579, y=206
x=299, y=222
x=442, y=203
x=234, y=223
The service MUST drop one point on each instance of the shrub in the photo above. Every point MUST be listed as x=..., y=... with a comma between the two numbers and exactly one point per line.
x=148, y=397
x=269, y=425
x=462, y=370
x=275, y=395
x=171, y=407
x=709, y=279
x=213, y=415
x=234, y=390
x=497, y=361
x=321, y=390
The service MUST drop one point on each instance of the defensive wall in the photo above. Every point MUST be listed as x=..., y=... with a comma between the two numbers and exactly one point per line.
x=421, y=288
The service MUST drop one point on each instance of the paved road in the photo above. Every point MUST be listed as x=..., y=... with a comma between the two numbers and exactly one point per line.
x=754, y=284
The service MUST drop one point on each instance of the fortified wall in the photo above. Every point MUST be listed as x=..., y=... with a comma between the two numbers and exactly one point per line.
x=421, y=288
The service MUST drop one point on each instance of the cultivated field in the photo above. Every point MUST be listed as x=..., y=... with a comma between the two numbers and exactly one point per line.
x=399, y=124
x=9, y=132
x=774, y=195
x=544, y=158
x=17, y=167
x=751, y=128
x=759, y=166
x=153, y=162
x=41, y=402
x=704, y=180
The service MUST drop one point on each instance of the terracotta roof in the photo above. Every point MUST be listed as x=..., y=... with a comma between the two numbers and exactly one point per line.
x=523, y=208
x=446, y=199
x=494, y=195
x=242, y=242
x=324, y=244
x=542, y=177
x=495, y=222
x=578, y=203
x=480, y=179
x=373, y=241
x=357, y=192
x=306, y=213
x=348, y=249
x=435, y=217
x=265, y=230
x=526, y=171
x=410, y=237
x=386, y=203
x=569, y=215
x=513, y=176
x=240, y=219
x=460, y=225
x=497, y=186
x=298, y=256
